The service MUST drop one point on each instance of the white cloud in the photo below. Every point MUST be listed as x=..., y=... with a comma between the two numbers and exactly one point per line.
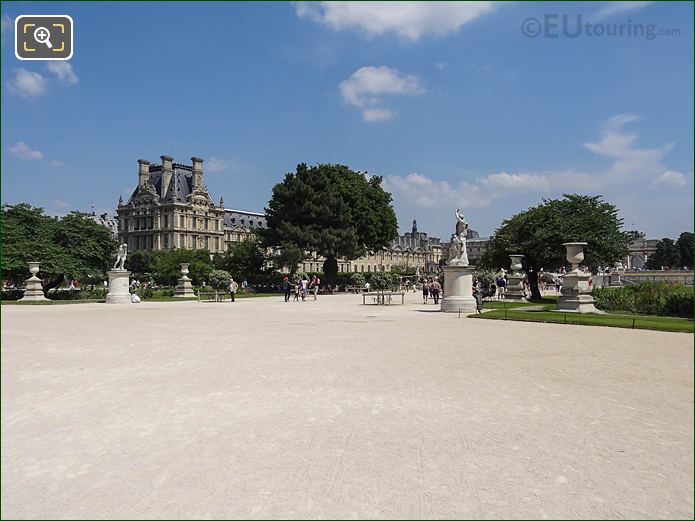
x=670, y=178
x=377, y=114
x=7, y=25
x=24, y=151
x=442, y=65
x=505, y=182
x=613, y=8
x=27, y=84
x=63, y=70
x=420, y=191
x=408, y=20
x=55, y=163
x=367, y=86
x=215, y=165
x=619, y=146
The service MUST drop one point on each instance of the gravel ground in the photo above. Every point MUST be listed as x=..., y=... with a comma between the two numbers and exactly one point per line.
x=323, y=409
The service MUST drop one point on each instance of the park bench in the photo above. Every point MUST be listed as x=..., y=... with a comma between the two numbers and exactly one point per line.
x=383, y=298
x=213, y=296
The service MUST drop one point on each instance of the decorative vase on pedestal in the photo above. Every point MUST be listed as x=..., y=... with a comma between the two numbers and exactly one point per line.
x=576, y=292
x=34, y=289
x=184, y=287
x=515, y=280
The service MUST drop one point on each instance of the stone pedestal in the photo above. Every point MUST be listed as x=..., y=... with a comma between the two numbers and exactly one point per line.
x=119, y=287
x=614, y=278
x=184, y=288
x=515, y=288
x=576, y=294
x=458, y=290
x=33, y=290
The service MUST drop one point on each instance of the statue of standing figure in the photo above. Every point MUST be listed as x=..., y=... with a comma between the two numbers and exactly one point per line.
x=120, y=257
x=458, y=256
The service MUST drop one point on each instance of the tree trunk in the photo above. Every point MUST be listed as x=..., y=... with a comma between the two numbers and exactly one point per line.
x=533, y=282
x=330, y=269
x=53, y=283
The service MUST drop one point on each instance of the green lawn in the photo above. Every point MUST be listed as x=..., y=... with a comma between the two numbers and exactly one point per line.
x=515, y=311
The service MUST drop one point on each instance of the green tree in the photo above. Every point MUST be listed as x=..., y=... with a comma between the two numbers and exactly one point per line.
x=538, y=234
x=72, y=247
x=246, y=260
x=219, y=279
x=288, y=255
x=140, y=263
x=331, y=210
x=667, y=254
x=167, y=270
x=685, y=248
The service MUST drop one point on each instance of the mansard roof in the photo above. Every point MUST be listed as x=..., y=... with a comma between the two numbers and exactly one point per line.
x=180, y=185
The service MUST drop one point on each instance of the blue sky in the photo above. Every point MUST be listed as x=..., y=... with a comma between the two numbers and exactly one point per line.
x=451, y=103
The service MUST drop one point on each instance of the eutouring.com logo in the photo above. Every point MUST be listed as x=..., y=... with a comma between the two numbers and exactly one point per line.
x=555, y=25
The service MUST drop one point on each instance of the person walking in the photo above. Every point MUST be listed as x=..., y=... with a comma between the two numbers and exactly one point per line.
x=286, y=288
x=315, y=282
x=501, y=284
x=296, y=290
x=425, y=291
x=436, y=288
x=558, y=283
x=478, y=295
x=233, y=286
x=304, y=285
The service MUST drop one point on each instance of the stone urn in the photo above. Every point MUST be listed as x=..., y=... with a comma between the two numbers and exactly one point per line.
x=33, y=289
x=184, y=287
x=34, y=268
x=516, y=263
x=575, y=253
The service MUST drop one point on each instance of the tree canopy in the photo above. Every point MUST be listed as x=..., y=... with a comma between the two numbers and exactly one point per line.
x=538, y=234
x=685, y=248
x=243, y=260
x=331, y=210
x=667, y=255
x=72, y=247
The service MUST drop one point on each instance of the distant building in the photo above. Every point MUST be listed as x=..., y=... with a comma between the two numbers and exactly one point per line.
x=239, y=225
x=171, y=208
x=409, y=251
x=109, y=222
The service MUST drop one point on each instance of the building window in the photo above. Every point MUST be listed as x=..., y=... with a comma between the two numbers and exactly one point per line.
x=182, y=221
x=182, y=240
x=166, y=220
x=195, y=242
x=206, y=223
x=194, y=222
x=206, y=241
x=166, y=241
x=217, y=242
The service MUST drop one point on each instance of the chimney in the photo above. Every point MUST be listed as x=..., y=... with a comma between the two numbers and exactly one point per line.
x=197, y=172
x=144, y=172
x=167, y=172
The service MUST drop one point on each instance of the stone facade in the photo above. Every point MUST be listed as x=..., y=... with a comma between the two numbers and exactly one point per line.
x=171, y=208
x=409, y=251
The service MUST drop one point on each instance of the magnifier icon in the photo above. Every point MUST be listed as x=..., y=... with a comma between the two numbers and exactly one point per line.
x=43, y=35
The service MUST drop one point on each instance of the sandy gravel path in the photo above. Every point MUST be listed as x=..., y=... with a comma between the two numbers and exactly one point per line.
x=332, y=409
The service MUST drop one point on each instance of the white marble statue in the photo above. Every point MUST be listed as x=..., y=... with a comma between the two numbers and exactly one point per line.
x=458, y=256
x=120, y=257
x=454, y=248
x=461, y=224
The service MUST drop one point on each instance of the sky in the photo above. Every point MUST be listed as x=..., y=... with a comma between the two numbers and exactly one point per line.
x=484, y=106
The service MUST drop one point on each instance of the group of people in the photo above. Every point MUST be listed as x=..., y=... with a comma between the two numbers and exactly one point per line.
x=301, y=287
x=431, y=288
